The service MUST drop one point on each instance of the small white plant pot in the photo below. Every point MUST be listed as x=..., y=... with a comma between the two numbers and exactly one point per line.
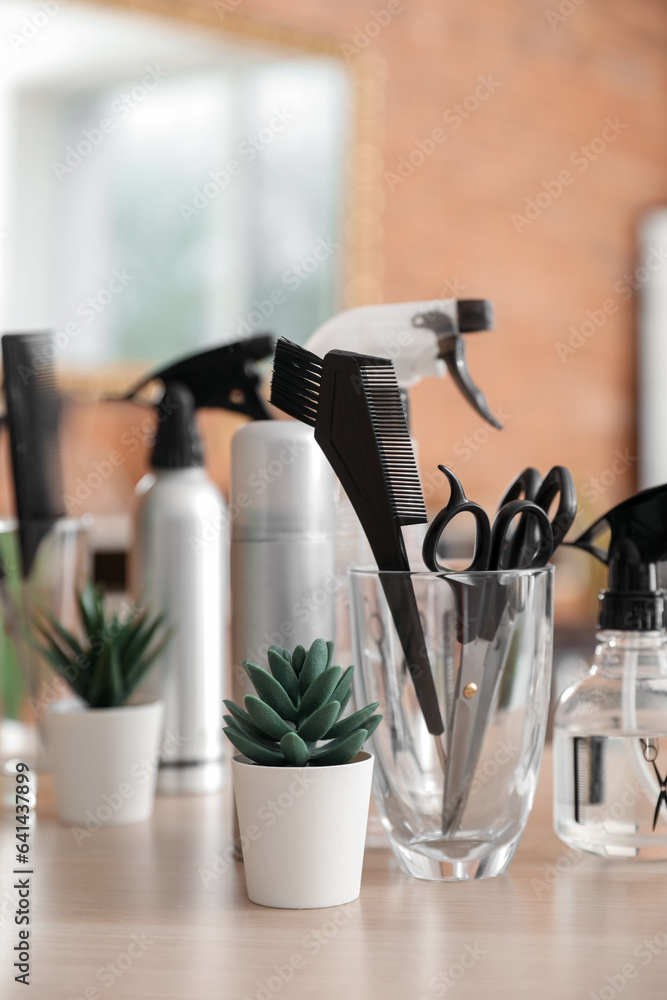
x=104, y=761
x=303, y=831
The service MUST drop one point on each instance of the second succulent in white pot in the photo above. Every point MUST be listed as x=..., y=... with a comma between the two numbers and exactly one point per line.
x=104, y=752
x=302, y=782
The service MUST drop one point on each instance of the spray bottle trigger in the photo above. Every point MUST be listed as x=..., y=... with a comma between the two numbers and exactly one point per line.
x=472, y=315
x=454, y=356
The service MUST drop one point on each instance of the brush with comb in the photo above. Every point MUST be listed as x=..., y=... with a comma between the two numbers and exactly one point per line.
x=353, y=402
x=33, y=417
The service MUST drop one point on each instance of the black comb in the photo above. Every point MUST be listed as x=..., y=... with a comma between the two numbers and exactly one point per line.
x=353, y=402
x=33, y=416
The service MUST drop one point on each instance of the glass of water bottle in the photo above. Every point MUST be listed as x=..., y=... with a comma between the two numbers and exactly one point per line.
x=610, y=750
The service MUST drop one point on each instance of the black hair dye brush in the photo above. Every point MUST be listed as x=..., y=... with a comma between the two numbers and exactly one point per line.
x=354, y=404
x=33, y=416
x=224, y=376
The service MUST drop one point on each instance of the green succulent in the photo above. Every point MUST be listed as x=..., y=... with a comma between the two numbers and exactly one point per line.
x=299, y=705
x=106, y=667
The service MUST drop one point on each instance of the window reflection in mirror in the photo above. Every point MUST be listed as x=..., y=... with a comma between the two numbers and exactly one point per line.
x=162, y=188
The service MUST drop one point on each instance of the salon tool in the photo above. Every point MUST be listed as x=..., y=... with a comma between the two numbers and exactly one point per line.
x=408, y=785
x=484, y=630
x=33, y=416
x=610, y=727
x=223, y=377
x=421, y=338
x=484, y=625
x=180, y=569
x=529, y=485
x=489, y=539
x=353, y=402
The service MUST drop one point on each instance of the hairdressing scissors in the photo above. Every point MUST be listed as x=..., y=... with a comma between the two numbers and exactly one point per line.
x=484, y=625
x=492, y=541
x=522, y=543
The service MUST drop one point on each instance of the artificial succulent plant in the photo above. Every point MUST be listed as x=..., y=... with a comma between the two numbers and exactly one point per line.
x=106, y=666
x=295, y=717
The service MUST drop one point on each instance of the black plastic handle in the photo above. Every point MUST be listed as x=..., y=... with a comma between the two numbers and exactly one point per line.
x=542, y=540
x=457, y=504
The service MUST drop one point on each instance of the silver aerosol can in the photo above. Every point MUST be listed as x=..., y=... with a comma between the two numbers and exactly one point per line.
x=283, y=557
x=283, y=550
x=181, y=558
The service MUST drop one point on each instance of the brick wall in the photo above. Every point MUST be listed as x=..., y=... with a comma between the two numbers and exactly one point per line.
x=560, y=106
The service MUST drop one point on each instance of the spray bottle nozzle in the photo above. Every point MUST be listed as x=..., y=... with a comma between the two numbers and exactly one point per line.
x=472, y=315
x=388, y=331
x=177, y=442
x=631, y=539
x=224, y=376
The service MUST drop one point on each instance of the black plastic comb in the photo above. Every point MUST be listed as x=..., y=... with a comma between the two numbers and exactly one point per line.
x=33, y=416
x=353, y=402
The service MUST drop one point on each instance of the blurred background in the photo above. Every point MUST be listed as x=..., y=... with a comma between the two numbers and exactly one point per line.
x=508, y=150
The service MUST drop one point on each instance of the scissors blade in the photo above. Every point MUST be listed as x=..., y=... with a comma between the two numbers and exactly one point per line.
x=463, y=731
x=483, y=667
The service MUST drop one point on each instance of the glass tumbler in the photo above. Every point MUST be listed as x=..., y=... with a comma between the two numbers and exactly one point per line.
x=455, y=806
x=27, y=682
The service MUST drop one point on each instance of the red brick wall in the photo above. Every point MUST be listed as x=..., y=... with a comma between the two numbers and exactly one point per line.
x=556, y=81
x=560, y=77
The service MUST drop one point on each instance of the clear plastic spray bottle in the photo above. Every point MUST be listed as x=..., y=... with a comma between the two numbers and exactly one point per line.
x=610, y=727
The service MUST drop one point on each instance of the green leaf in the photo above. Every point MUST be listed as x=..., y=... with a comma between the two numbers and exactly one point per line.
x=259, y=754
x=66, y=636
x=372, y=724
x=352, y=722
x=136, y=675
x=270, y=691
x=244, y=719
x=319, y=691
x=284, y=674
x=98, y=596
x=344, y=684
x=125, y=632
x=285, y=653
x=97, y=676
x=88, y=609
x=314, y=664
x=117, y=692
x=330, y=652
x=63, y=666
x=295, y=749
x=232, y=723
x=264, y=717
x=344, y=702
x=342, y=752
x=317, y=724
x=298, y=659
x=141, y=639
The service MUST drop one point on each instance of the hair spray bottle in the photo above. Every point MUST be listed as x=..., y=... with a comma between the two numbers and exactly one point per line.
x=283, y=544
x=181, y=553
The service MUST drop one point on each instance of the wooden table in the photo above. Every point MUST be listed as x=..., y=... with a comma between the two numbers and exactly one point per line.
x=131, y=912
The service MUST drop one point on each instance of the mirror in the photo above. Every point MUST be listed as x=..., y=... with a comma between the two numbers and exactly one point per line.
x=165, y=186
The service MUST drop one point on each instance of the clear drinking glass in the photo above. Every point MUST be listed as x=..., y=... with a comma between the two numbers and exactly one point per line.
x=27, y=682
x=489, y=640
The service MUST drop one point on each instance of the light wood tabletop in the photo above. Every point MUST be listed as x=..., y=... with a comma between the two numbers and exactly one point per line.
x=155, y=910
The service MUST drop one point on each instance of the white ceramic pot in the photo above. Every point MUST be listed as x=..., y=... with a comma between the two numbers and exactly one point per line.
x=104, y=761
x=303, y=831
